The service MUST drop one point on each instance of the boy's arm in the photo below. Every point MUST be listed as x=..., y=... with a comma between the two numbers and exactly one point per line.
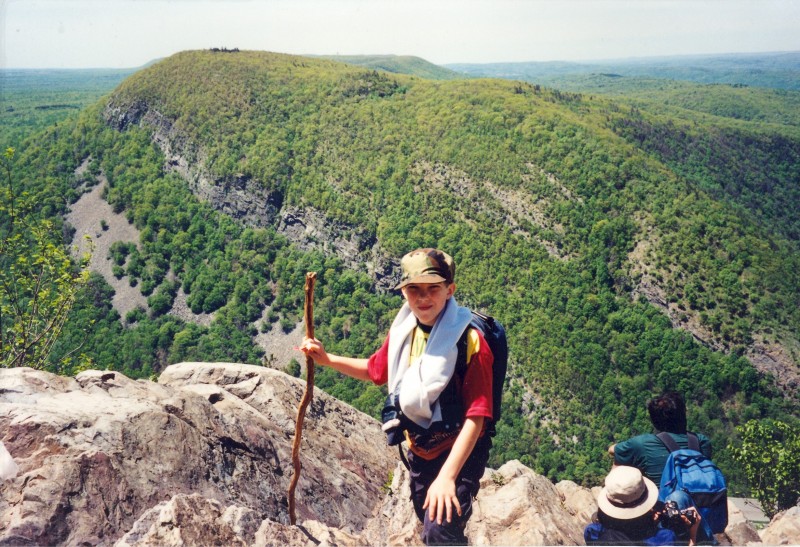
x=350, y=366
x=442, y=493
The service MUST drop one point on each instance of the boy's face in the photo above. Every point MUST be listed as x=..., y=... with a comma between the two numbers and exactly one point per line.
x=427, y=300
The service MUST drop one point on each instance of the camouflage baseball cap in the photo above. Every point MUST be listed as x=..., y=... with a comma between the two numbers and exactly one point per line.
x=427, y=266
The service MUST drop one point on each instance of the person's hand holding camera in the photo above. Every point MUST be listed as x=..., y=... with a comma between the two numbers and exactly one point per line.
x=686, y=519
x=691, y=518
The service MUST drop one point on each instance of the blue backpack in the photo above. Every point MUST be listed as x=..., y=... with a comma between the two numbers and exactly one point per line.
x=688, y=470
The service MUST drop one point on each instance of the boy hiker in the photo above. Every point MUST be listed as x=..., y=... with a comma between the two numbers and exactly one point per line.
x=444, y=417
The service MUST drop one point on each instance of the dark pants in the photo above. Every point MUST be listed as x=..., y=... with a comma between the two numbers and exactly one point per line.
x=424, y=472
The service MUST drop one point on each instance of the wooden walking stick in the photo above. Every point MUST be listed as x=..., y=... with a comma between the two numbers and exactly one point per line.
x=308, y=394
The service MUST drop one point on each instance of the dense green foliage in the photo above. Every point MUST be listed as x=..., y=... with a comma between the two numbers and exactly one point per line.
x=778, y=106
x=770, y=455
x=38, y=281
x=364, y=148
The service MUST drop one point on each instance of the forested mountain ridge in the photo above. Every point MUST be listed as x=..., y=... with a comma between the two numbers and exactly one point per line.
x=776, y=70
x=561, y=210
x=399, y=64
x=766, y=105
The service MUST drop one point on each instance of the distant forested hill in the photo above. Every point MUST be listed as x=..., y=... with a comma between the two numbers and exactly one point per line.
x=779, y=70
x=399, y=64
x=684, y=90
x=626, y=250
x=778, y=106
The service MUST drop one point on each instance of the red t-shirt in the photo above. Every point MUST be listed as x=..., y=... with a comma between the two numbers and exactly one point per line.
x=477, y=386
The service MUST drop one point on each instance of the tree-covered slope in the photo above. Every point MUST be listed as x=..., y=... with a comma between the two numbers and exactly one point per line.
x=616, y=267
x=759, y=104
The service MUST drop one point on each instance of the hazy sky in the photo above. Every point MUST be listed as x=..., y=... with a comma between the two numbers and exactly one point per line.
x=130, y=33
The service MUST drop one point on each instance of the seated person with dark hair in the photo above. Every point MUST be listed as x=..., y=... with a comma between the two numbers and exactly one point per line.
x=647, y=452
x=629, y=513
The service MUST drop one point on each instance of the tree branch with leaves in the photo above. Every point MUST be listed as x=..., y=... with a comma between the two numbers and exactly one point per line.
x=770, y=454
x=38, y=278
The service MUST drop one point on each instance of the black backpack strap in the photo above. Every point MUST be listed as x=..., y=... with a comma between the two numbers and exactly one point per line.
x=403, y=456
x=450, y=398
x=461, y=345
x=672, y=446
x=668, y=441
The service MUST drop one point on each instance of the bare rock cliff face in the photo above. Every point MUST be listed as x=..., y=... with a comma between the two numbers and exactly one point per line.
x=251, y=202
x=240, y=197
x=203, y=457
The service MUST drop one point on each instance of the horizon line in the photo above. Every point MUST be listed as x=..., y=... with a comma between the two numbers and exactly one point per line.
x=576, y=62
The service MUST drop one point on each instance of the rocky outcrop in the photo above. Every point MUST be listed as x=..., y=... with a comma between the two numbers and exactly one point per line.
x=783, y=529
x=310, y=230
x=202, y=457
x=190, y=519
x=120, y=117
x=739, y=531
x=515, y=506
x=579, y=501
x=99, y=451
x=241, y=197
x=776, y=359
x=505, y=514
x=194, y=520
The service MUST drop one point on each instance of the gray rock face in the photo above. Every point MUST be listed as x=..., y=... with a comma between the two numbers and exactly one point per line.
x=203, y=457
x=310, y=230
x=239, y=196
x=783, y=529
x=505, y=513
x=343, y=454
x=98, y=451
x=256, y=203
x=193, y=520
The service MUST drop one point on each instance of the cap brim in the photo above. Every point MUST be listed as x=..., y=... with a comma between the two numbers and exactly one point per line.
x=627, y=513
x=430, y=278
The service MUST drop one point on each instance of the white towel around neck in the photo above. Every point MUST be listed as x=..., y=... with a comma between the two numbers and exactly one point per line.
x=425, y=378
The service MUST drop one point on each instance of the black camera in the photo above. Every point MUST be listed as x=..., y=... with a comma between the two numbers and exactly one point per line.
x=671, y=515
x=393, y=421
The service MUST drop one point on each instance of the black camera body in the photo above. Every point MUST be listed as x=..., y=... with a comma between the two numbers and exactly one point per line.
x=671, y=515
x=394, y=422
